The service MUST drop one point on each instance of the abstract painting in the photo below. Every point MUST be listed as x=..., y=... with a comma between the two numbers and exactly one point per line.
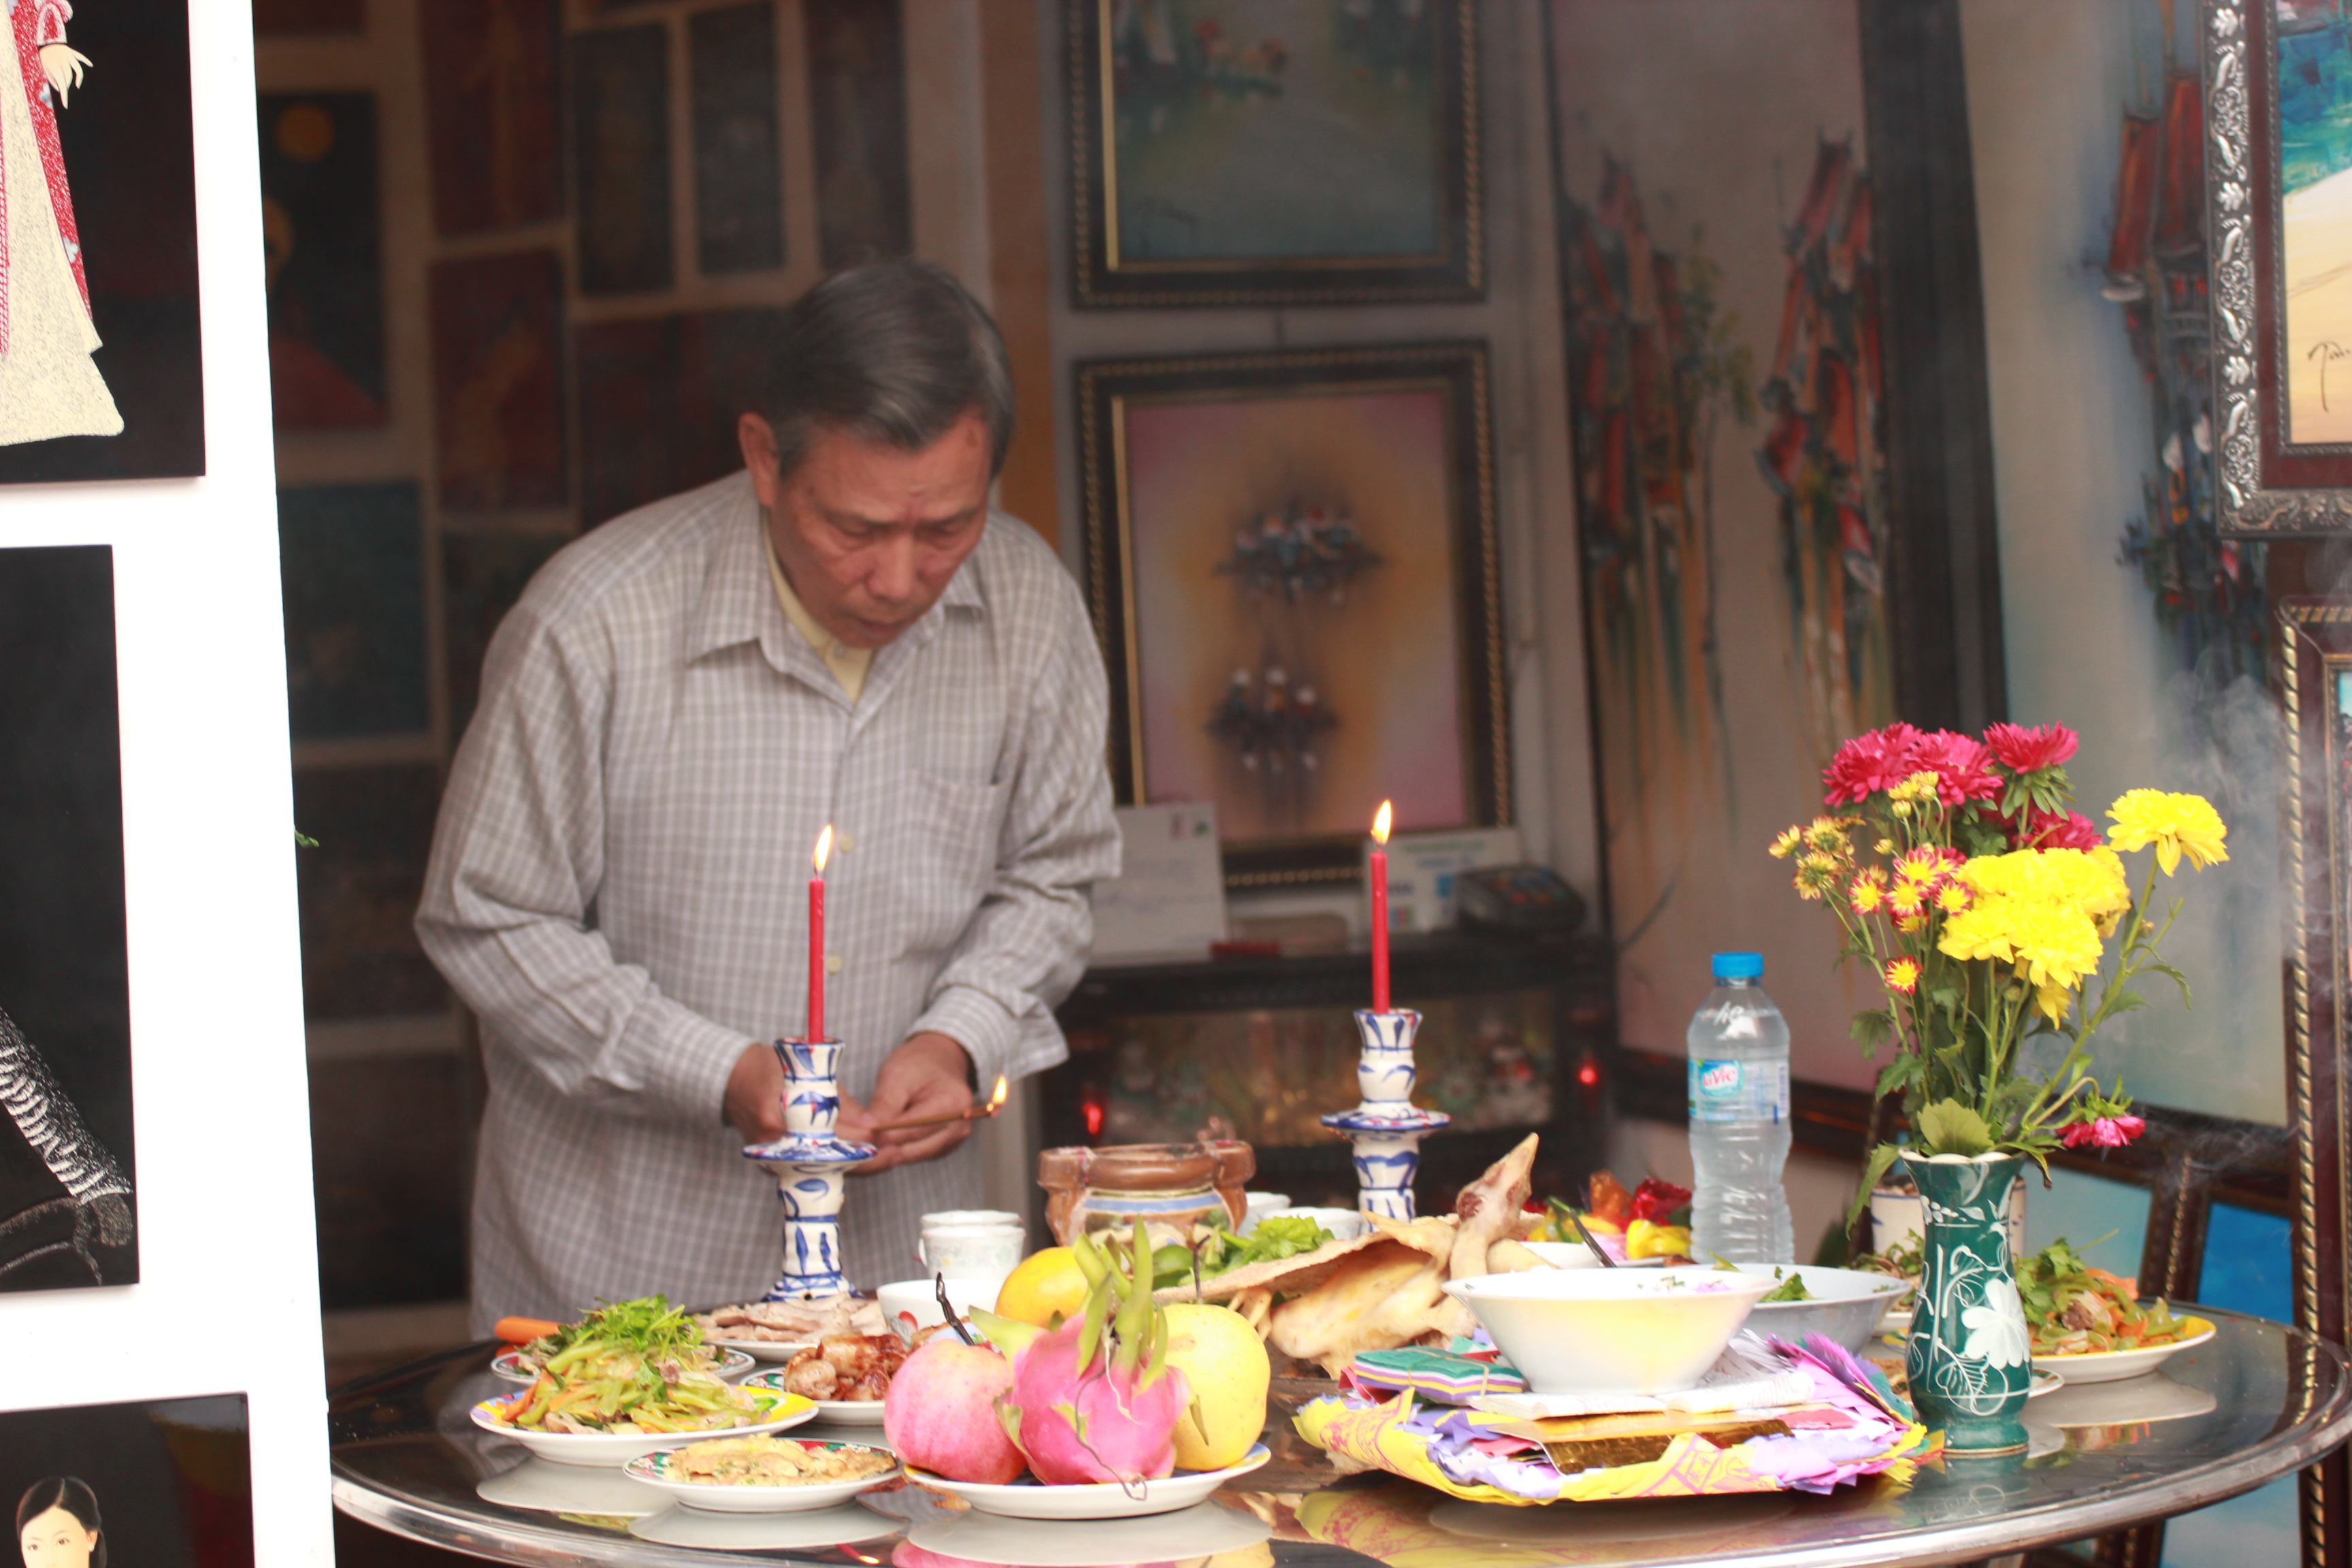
x=1291, y=560
x=359, y=890
x=352, y=558
x=67, y=1208
x=325, y=259
x=101, y=299
x=492, y=112
x=620, y=154
x=156, y=1481
x=1726, y=421
x=739, y=202
x=857, y=109
x=1232, y=152
x=659, y=402
x=497, y=381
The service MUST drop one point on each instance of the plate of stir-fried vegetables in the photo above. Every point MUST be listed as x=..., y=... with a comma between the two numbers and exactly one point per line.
x=629, y=1378
x=2088, y=1325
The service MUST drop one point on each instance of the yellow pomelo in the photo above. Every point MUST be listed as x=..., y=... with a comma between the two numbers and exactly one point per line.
x=1223, y=1360
x=1045, y=1284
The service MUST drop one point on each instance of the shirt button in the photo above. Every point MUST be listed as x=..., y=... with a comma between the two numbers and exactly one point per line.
x=832, y=964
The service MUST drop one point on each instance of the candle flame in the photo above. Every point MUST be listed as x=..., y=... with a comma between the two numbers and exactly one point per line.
x=823, y=849
x=996, y=1096
x=1380, y=821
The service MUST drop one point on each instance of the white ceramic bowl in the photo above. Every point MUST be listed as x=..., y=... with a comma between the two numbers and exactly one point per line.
x=911, y=1306
x=1636, y=1331
x=658, y=1470
x=1576, y=1255
x=786, y=1410
x=1846, y=1307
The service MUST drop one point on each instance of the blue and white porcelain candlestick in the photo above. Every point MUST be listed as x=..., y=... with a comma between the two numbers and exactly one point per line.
x=1387, y=1128
x=809, y=1162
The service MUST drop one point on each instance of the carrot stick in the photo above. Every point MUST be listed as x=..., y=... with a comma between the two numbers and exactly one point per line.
x=523, y=1330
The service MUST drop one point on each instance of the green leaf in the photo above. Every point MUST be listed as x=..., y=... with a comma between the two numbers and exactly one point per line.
x=1881, y=1159
x=1872, y=1028
x=1948, y=1127
x=1900, y=1073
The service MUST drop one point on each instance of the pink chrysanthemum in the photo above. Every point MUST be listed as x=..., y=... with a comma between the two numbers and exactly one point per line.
x=2038, y=829
x=2101, y=1131
x=1961, y=766
x=1869, y=763
x=2024, y=751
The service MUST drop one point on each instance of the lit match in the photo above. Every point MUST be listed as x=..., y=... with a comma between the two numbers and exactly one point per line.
x=994, y=1103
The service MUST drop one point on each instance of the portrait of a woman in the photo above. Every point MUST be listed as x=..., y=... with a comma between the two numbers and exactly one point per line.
x=57, y=1526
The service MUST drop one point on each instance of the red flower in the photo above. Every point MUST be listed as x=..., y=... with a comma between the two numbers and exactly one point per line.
x=1653, y=1199
x=2024, y=751
x=1870, y=764
x=2040, y=829
x=2101, y=1131
x=1959, y=765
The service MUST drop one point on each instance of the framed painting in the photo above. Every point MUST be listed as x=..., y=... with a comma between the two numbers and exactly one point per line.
x=352, y=558
x=67, y=1198
x=1291, y=563
x=2278, y=183
x=319, y=228
x=493, y=112
x=620, y=158
x=497, y=381
x=155, y=1480
x=2314, y=687
x=1273, y=152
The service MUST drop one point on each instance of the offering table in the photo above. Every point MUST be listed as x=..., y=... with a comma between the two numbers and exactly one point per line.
x=407, y=1459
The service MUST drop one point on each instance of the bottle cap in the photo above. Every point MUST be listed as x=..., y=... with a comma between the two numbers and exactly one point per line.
x=1739, y=966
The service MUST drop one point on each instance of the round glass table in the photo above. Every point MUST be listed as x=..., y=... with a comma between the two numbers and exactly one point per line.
x=2258, y=1400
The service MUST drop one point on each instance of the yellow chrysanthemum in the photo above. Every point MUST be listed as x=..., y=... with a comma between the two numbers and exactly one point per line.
x=1906, y=900
x=2054, y=1000
x=1919, y=787
x=2175, y=824
x=1912, y=926
x=1952, y=898
x=1866, y=896
x=1787, y=844
x=1919, y=868
x=2039, y=909
x=1816, y=875
x=1903, y=975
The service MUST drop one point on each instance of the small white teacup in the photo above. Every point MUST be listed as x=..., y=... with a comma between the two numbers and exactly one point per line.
x=911, y=1306
x=1261, y=1204
x=970, y=1216
x=969, y=1251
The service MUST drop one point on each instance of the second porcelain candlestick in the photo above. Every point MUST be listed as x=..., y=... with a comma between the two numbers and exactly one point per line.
x=1387, y=1128
x=809, y=1162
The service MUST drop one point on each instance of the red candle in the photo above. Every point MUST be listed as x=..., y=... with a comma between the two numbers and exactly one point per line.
x=816, y=936
x=1381, y=910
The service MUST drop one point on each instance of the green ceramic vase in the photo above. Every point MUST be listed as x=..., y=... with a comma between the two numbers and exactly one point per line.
x=1970, y=1358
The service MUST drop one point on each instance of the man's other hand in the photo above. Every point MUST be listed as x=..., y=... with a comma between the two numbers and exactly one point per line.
x=755, y=1095
x=927, y=1075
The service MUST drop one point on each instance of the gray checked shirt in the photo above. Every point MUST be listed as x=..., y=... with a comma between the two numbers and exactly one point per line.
x=618, y=887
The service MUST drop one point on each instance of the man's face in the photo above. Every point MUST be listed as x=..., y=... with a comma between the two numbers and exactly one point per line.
x=868, y=534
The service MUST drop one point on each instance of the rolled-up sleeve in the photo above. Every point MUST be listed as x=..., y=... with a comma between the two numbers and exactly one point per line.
x=516, y=863
x=1026, y=943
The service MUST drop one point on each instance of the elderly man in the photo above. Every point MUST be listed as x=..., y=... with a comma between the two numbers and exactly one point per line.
x=843, y=634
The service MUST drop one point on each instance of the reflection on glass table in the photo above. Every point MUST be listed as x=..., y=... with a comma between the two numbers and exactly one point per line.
x=2257, y=1402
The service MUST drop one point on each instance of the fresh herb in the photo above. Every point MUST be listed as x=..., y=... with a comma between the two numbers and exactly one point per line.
x=1791, y=1288
x=629, y=1366
x=2074, y=1309
x=1275, y=1237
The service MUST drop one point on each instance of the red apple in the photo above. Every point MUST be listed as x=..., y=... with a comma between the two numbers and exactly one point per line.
x=940, y=1412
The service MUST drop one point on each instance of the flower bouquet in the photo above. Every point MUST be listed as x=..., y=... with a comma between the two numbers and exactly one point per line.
x=1993, y=914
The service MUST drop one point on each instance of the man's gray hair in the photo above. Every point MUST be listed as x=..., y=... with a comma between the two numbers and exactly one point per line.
x=895, y=353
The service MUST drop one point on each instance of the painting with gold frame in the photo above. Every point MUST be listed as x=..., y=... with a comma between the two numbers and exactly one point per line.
x=1291, y=561
x=1273, y=152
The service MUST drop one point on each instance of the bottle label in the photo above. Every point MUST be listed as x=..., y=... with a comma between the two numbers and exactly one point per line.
x=1738, y=1091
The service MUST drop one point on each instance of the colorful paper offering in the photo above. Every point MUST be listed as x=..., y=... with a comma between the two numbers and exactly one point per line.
x=1848, y=1424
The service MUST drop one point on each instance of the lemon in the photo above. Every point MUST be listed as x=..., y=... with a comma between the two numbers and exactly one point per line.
x=1047, y=1286
x=1223, y=1360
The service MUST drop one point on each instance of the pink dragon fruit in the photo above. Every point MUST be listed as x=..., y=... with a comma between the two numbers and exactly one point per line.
x=1096, y=1399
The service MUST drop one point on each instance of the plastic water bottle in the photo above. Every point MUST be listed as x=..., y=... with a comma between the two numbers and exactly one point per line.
x=1739, y=1118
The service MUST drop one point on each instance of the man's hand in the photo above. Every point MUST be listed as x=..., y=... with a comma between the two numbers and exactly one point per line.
x=927, y=1075
x=754, y=1105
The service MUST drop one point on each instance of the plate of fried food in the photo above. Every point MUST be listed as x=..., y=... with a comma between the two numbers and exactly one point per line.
x=778, y=1330
x=628, y=1380
x=846, y=1375
x=763, y=1474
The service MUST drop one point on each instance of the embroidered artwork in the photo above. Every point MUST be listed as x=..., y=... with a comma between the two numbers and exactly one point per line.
x=101, y=355
x=67, y=1214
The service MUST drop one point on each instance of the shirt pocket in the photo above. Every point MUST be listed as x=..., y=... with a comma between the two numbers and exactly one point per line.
x=950, y=857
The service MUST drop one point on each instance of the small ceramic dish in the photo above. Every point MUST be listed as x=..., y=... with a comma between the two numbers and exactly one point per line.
x=782, y=1412
x=840, y=1412
x=1029, y=1499
x=660, y=1470
x=2114, y=1366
